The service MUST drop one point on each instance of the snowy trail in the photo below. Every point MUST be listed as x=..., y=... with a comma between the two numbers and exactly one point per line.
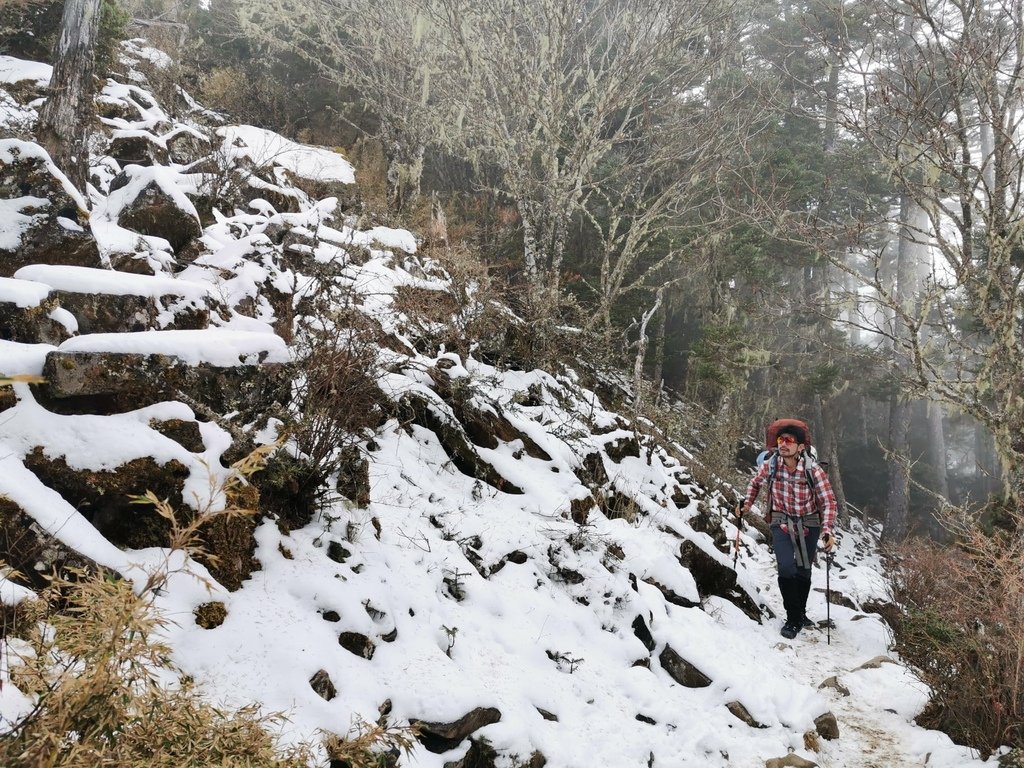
x=875, y=730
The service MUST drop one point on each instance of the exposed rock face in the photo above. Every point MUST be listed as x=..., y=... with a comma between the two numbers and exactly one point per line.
x=55, y=229
x=31, y=324
x=29, y=550
x=714, y=578
x=682, y=671
x=113, y=382
x=150, y=210
x=184, y=433
x=422, y=411
x=107, y=313
x=104, y=496
x=440, y=737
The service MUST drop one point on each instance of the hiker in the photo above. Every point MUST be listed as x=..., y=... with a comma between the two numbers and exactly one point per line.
x=801, y=505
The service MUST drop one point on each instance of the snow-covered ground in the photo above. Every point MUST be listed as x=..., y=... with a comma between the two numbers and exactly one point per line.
x=470, y=596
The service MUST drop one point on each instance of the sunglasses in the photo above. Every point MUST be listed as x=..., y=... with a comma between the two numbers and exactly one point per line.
x=786, y=440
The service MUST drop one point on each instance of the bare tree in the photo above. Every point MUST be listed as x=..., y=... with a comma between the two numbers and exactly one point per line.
x=943, y=112
x=68, y=111
x=554, y=86
x=388, y=51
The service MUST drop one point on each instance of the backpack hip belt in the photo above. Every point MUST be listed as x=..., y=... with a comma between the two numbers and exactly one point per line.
x=794, y=526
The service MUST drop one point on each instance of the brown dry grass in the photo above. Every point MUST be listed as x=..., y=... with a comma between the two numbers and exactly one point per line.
x=93, y=667
x=962, y=627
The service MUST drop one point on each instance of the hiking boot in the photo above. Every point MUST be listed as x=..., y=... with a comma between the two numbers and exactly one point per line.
x=806, y=623
x=789, y=630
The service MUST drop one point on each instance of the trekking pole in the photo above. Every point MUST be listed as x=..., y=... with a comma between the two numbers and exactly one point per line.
x=828, y=596
x=739, y=518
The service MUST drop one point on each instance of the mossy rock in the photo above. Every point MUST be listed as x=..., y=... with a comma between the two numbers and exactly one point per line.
x=104, y=496
x=289, y=489
x=32, y=552
x=211, y=615
x=229, y=549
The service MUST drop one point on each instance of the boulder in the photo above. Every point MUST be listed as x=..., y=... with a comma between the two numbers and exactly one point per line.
x=827, y=726
x=789, y=761
x=874, y=663
x=322, y=684
x=185, y=146
x=834, y=684
x=44, y=218
x=150, y=203
x=357, y=644
x=591, y=471
x=715, y=578
x=642, y=633
x=622, y=447
x=137, y=148
x=438, y=737
x=479, y=755
x=737, y=710
x=682, y=671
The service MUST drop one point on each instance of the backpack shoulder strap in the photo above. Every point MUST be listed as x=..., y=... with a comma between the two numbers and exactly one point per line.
x=809, y=464
x=773, y=467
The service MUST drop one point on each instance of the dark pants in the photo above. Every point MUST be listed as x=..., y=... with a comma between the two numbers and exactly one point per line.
x=794, y=581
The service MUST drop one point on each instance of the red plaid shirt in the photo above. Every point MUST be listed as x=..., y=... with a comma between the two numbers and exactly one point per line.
x=791, y=493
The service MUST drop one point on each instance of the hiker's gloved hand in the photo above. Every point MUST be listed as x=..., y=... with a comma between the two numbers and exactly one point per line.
x=828, y=542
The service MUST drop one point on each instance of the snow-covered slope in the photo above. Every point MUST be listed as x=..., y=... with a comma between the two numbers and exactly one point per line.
x=578, y=595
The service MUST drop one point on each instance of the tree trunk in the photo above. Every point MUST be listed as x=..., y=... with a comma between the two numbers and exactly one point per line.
x=898, y=501
x=828, y=453
x=405, y=169
x=659, y=344
x=65, y=117
x=986, y=470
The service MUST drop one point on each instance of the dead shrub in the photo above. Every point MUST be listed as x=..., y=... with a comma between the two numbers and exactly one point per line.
x=337, y=398
x=371, y=745
x=961, y=625
x=262, y=100
x=371, y=164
